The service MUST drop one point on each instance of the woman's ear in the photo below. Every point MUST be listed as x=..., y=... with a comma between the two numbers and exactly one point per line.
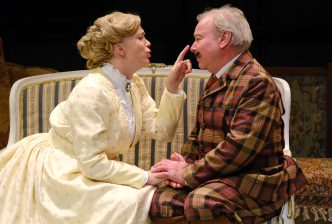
x=119, y=50
x=225, y=38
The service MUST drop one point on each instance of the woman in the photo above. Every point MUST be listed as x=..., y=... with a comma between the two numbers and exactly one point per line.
x=70, y=174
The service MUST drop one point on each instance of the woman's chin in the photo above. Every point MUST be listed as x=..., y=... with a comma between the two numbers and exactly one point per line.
x=145, y=64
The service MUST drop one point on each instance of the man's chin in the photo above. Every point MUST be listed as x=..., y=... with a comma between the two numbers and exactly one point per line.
x=201, y=66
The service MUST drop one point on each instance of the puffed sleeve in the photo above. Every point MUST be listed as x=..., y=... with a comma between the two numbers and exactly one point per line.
x=160, y=123
x=95, y=128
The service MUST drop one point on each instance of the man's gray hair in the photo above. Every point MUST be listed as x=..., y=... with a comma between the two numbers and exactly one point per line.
x=232, y=19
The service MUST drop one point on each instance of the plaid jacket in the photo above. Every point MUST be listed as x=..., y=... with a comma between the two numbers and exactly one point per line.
x=238, y=138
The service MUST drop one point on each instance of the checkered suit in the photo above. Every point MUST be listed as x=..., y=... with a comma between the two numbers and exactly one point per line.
x=235, y=151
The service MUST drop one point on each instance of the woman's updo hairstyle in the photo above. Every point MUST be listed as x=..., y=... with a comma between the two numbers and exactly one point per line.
x=96, y=46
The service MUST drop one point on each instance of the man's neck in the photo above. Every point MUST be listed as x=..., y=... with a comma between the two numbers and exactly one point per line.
x=226, y=57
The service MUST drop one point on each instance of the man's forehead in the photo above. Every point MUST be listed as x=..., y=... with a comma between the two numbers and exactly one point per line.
x=205, y=25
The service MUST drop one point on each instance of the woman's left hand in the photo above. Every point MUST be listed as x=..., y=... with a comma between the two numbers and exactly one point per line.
x=179, y=70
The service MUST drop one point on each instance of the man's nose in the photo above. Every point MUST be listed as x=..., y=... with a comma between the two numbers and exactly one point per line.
x=192, y=48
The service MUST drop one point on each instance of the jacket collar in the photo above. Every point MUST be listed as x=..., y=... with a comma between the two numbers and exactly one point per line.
x=231, y=73
x=239, y=64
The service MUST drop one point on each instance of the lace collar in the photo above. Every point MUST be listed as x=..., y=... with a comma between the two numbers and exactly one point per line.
x=118, y=80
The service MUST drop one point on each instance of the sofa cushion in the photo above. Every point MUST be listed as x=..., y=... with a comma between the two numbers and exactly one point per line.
x=16, y=71
x=314, y=202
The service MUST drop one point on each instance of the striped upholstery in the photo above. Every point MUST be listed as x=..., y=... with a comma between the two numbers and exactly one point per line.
x=37, y=100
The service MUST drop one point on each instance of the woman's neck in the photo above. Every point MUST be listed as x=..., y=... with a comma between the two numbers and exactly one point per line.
x=123, y=68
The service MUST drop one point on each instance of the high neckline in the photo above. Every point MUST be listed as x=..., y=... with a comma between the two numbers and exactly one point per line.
x=114, y=75
x=120, y=84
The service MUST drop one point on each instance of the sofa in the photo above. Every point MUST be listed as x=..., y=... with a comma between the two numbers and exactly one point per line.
x=33, y=98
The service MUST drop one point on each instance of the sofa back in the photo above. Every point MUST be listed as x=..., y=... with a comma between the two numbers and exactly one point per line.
x=33, y=98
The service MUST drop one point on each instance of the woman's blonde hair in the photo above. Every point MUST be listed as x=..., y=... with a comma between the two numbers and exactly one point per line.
x=96, y=46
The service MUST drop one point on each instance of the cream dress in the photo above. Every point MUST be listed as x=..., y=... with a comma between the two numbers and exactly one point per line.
x=69, y=175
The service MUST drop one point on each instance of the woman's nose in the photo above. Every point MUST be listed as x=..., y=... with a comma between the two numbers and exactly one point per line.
x=148, y=43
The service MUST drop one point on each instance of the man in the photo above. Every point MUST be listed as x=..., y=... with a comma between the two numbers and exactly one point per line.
x=233, y=169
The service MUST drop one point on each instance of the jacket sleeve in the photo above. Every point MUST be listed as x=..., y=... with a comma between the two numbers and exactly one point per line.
x=252, y=123
x=190, y=150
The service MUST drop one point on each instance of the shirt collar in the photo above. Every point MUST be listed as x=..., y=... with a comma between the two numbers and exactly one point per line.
x=225, y=67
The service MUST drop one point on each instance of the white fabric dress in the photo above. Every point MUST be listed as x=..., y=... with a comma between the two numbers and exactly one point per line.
x=69, y=175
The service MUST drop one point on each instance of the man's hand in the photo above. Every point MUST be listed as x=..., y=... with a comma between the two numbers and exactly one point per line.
x=179, y=70
x=170, y=170
x=175, y=157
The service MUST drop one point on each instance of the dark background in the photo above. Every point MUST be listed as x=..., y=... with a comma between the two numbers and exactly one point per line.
x=286, y=33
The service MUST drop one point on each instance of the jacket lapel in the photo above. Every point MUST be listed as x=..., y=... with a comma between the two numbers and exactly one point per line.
x=231, y=73
x=213, y=85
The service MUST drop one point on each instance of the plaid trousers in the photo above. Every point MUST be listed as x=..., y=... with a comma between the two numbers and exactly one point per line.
x=210, y=201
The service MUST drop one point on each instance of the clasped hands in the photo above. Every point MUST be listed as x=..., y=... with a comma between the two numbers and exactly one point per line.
x=170, y=170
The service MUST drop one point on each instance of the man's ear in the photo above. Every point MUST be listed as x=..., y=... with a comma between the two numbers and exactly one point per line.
x=225, y=38
x=119, y=50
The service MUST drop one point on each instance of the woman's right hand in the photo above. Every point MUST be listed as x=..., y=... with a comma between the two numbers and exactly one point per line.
x=153, y=180
x=179, y=70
